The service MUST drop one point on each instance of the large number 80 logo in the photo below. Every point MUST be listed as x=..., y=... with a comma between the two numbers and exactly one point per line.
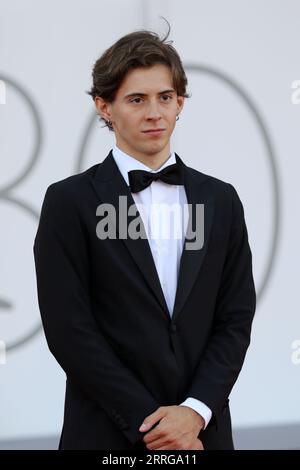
x=6, y=192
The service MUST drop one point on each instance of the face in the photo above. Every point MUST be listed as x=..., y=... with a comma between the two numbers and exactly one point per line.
x=145, y=100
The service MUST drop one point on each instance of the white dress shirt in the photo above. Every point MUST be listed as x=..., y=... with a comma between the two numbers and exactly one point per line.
x=165, y=232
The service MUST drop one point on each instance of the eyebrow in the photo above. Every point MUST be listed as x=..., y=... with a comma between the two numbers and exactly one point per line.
x=145, y=94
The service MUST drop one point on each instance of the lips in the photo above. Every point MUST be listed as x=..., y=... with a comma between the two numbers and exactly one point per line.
x=154, y=130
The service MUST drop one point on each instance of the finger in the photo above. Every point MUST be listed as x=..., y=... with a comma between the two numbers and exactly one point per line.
x=173, y=446
x=150, y=420
x=195, y=447
x=154, y=434
x=155, y=444
x=198, y=445
x=166, y=447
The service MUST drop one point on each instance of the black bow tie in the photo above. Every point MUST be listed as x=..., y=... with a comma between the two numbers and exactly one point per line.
x=141, y=179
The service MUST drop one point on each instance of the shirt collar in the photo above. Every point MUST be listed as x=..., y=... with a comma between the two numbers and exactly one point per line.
x=127, y=163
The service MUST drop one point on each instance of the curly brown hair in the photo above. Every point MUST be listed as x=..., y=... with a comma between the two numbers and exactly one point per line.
x=141, y=48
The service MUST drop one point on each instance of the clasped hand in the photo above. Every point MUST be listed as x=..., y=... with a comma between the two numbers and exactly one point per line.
x=178, y=429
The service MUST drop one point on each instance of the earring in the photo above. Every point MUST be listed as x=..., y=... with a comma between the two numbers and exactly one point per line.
x=177, y=118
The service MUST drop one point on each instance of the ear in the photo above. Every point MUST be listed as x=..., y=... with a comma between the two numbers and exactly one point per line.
x=180, y=103
x=103, y=108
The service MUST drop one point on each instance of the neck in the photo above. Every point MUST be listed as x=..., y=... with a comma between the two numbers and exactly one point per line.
x=152, y=160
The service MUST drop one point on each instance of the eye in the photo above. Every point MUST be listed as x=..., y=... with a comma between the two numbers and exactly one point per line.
x=134, y=100
x=166, y=96
x=138, y=99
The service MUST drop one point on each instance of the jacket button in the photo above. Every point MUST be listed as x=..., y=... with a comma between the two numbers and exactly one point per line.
x=173, y=327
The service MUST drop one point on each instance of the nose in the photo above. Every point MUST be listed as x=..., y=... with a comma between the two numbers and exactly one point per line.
x=153, y=111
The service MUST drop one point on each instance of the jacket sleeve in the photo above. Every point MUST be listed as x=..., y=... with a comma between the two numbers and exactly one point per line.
x=73, y=336
x=225, y=352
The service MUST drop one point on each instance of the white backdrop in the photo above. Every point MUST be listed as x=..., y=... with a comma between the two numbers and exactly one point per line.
x=240, y=125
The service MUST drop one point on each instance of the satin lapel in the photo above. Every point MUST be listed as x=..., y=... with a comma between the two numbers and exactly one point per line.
x=198, y=190
x=109, y=184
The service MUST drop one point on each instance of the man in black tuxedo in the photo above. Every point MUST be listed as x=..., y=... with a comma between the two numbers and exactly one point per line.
x=151, y=331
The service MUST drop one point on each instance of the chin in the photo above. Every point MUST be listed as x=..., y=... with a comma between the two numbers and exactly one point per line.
x=156, y=148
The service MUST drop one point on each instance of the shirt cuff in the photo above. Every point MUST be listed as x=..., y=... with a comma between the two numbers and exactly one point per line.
x=200, y=408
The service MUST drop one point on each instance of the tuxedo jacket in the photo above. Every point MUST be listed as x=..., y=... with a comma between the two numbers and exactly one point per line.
x=107, y=323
